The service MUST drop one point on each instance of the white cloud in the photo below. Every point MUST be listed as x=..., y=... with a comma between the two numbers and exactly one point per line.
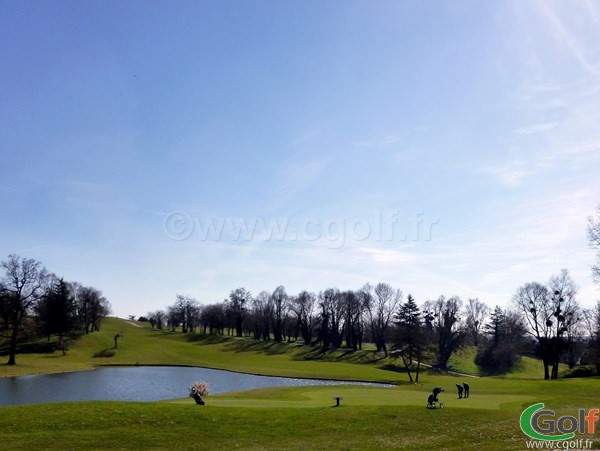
x=389, y=256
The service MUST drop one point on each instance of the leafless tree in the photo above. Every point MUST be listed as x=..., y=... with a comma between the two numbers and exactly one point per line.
x=549, y=313
x=239, y=300
x=22, y=286
x=443, y=317
x=476, y=314
x=279, y=300
x=261, y=315
x=213, y=318
x=157, y=319
x=187, y=311
x=303, y=307
x=92, y=307
x=534, y=301
x=594, y=240
x=568, y=319
x=592, y=324
x=332, y=318
x=380, y=308
x=353, y=322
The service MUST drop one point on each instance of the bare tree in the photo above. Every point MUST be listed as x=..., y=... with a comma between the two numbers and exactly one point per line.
x=99, y=308
x=549, y=313
x=213, y=318
x=332, y=318
x=279, y=300
x=22, y=287
x=303, y=307
x=92, y=307
x=592, y=325
x=569, y=326
x=187, y=311
x=442, y=316
x=157, y=319
x=476, y=314
x=353, y=322
x=239, y=299
x=534, y=301
x=594, y=240
x=380, y=309
x=260, y=316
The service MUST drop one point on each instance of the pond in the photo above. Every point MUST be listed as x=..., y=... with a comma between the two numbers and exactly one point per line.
x=143, y=383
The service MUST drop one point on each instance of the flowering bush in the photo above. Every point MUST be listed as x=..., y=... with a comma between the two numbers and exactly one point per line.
x=198, y=390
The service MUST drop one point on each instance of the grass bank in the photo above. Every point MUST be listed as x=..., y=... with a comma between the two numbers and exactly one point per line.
x=283, y=418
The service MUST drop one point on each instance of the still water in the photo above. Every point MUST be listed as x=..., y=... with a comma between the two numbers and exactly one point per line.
x=144, y=383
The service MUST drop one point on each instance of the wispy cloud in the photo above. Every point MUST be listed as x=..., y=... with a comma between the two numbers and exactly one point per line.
x=564, y=35
x=536, y=128
x=388, y=255
x=509, y=174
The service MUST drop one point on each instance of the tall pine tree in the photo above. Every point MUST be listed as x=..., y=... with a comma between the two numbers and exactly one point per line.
x=410, y=337
x=57, y=312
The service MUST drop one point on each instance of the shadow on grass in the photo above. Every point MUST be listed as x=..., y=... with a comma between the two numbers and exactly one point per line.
x=393, y=367
x=105, y=353
x=339, y=355
x=262, y=347
x=206, y=339
x=36, y=347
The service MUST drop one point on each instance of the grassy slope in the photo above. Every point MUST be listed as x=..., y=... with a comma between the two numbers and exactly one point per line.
x=141, y=345
x=527, y=368
x=299, y=417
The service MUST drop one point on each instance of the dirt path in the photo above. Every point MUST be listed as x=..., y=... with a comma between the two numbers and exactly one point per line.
x=134, y=324
x=452, y=372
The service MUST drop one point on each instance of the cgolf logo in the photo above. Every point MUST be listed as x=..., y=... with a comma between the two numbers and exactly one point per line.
x=540, y=424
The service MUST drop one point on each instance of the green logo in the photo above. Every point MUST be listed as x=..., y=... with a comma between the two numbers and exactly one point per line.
x=540, y=430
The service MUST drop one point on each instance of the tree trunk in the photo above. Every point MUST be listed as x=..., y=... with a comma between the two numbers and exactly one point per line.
x=406, y=365
x=13, y=344
x=554, y=370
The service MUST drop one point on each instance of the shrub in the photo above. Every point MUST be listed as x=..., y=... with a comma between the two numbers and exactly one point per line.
x=199, y=388
x=579, y=371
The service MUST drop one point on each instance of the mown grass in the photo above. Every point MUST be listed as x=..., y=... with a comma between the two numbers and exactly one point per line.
x=526, y=368
x=300, y=418
x=283, y=418
x=144, y=346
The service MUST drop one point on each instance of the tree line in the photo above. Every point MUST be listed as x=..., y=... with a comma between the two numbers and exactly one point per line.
x=543, y=319
x=37, y=303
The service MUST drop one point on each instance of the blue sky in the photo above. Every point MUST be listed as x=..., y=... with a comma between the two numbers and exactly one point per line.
x=481, y=120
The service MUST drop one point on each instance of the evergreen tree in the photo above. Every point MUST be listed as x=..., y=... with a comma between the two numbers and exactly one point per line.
x=409, y=337
x=57, y=312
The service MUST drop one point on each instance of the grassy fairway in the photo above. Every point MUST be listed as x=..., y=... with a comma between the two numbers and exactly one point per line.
x=134, y=425
x=143, y=346
x=298, y=418
x=290, y=418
